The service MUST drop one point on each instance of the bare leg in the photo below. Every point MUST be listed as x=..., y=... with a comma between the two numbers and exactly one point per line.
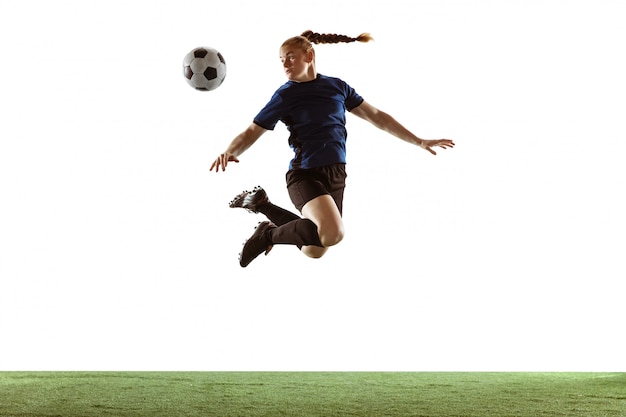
x=324, y=213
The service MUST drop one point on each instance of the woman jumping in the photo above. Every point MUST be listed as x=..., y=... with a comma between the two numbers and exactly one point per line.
x=313, y=108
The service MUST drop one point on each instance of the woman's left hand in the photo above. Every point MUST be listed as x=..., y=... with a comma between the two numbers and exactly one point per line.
x=429, y=144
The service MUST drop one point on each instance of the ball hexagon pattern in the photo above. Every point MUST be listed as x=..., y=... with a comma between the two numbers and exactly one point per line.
x=204, y=68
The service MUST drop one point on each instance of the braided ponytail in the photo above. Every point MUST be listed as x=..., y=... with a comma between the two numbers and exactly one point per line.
x=333, y=38
x=305, y=41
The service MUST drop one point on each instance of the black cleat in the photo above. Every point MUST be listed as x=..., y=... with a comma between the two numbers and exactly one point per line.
x=258, y=243
x=250, y=200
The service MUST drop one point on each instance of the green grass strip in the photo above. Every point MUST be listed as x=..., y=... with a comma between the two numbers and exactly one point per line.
x=311, y=394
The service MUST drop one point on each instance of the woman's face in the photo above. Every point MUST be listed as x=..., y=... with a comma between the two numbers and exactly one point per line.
x=297, y=64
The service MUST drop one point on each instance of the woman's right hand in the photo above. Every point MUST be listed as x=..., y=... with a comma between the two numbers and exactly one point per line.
x=222, y=161
x=238, y=146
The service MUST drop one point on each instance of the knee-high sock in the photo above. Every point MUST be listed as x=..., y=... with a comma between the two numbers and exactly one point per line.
x=277, y=215
x=300, y=232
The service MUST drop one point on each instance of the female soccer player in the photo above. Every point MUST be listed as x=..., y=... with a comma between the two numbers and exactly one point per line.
x=313, y=107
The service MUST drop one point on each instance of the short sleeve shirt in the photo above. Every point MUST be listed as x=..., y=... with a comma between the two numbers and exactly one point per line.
x=315, y=115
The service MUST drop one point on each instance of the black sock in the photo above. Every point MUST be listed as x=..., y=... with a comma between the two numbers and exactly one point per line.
x=300, y=232
x=277, y=215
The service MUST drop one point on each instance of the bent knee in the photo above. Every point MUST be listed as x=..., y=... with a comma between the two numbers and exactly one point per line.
x=331, y=236
x=315, y=252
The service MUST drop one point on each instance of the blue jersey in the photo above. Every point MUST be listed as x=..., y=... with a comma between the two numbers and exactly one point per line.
x=315, y=115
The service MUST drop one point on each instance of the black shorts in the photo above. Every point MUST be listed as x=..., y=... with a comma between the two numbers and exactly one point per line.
x=304, y=185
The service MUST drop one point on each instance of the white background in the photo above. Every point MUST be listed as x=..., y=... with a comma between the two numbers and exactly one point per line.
x=118, y=250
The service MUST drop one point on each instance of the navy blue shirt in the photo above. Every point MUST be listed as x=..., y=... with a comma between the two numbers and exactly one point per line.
x=315, y=115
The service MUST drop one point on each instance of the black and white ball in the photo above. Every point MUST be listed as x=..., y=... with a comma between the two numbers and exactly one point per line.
x=204, y=68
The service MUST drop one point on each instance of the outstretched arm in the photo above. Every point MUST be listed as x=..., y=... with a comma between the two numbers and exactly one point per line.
x=238, y=146
x=384, y=121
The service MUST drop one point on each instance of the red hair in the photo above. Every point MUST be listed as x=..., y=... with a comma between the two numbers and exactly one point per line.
x=306, y=40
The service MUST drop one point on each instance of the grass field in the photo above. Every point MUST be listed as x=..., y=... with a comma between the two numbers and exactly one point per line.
x=312, y=394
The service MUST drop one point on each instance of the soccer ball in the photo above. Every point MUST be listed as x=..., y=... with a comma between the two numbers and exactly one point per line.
x=204, y=68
